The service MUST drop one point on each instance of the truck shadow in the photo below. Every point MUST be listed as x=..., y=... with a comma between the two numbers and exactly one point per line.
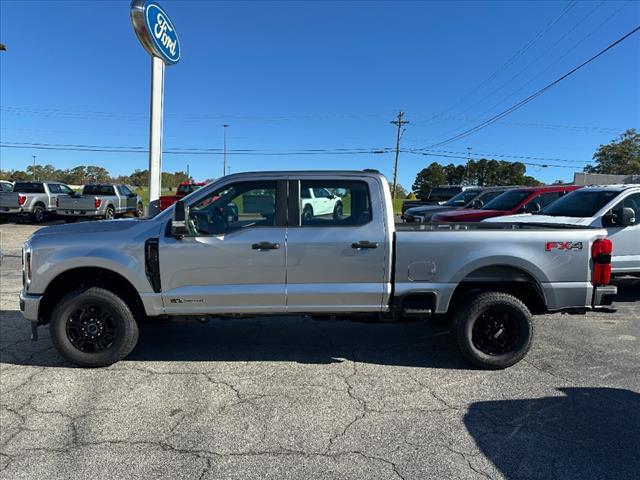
x=287, y=339
x=587, y=433
x=628, y=290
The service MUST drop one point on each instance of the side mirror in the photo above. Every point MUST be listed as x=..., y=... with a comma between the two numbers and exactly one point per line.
x=628, y=217
x=533, y=207
x=179, y=224
x=478, y=204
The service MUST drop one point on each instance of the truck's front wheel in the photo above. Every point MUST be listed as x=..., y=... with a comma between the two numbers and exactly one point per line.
x=494, y=331
x=93, y=327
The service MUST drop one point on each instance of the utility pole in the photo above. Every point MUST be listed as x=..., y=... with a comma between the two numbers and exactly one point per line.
x=468, y=160
x=34, y=167
x=399, y=122
x=224, y=163
x=188, y=176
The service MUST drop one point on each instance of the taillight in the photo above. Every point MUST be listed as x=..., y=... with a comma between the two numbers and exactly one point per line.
x=601, y=255
x=22, y=199
x=97, y=202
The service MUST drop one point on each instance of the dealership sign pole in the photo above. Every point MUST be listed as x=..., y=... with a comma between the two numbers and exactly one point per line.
x=159, y=38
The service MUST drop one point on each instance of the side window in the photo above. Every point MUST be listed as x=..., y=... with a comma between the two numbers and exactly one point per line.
x=66, y=190
x=543, y=200
x=53, y=187
x=344, y=203
x=633, y=202
x=234, y=207
x=124, y=190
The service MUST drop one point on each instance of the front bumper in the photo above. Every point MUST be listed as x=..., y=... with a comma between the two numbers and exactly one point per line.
x=30, y=305
x=604, y=296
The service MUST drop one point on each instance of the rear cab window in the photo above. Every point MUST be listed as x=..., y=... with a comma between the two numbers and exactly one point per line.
x=98, y=190
x=29, y=187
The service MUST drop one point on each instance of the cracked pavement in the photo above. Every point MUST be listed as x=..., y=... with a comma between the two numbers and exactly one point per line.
x=290, y=397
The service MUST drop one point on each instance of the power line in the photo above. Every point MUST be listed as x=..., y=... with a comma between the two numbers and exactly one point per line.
x=508, y=63
x=533, y=96
x=462, y=157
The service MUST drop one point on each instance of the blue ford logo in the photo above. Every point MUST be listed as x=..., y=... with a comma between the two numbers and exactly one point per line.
x=155, y=30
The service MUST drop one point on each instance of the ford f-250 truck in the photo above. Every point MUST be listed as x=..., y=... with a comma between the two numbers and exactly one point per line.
x=101, y=200
x=93, y=283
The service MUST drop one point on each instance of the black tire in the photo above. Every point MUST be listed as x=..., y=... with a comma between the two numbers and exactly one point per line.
x=307, y=214
x=38, y=214
x=70, y=219
x=494, y=331
x=337, y=211
x=139, y=213
x=115, y=328
x=110, y=213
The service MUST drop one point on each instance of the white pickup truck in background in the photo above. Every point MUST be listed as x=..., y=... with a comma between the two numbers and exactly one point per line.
x=614, y=207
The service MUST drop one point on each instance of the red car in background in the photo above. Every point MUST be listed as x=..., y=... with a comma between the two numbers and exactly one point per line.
x=184, y=189
x=518, y=200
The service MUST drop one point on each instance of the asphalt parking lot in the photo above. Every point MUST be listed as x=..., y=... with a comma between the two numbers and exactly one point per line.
x=277, y=398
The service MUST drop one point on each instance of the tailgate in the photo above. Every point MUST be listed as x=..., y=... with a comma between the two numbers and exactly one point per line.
x=9, y=200
x=68, y=202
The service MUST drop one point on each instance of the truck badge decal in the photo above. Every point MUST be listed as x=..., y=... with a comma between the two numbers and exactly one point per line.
x=563, y=246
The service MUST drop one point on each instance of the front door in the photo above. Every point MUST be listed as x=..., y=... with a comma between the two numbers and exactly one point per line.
x=233, y=260
x=626, y=240
x=336, y=258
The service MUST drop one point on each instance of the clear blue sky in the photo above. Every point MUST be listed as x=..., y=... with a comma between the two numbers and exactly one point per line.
x=303, y=75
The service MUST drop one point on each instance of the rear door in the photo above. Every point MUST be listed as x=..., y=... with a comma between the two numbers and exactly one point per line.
x=229, y=263
x=336, y=263
x=54, y=193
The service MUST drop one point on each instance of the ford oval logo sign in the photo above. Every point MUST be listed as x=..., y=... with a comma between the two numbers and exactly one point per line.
x=155, y=30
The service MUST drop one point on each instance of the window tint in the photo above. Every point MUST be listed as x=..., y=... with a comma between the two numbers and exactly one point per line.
x=53, y=187
x=508, y=200
x=5, y=187
x=125, y=190
x=580, y=203
x=305, y=193
x=29, y=187
x=443, y=193
x=98, y=190
x=234, y=207
x=65, y=189
x=344, y=203
x=547, y=198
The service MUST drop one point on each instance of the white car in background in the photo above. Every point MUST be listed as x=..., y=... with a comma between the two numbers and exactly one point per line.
x=316, y=202
x=614, y=207
x=6, y=186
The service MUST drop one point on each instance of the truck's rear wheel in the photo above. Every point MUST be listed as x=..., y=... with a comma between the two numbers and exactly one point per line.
x=110, y=213
x=139, y=210
x=494, y=331
x=93, y=327
x=38, y=213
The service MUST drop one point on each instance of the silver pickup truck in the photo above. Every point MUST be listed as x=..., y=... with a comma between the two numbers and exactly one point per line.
x=33, y=199
x=93, y=283
x=100, y=201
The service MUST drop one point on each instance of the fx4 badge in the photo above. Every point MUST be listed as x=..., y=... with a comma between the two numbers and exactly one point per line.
x=563, y=246
x=187, y=300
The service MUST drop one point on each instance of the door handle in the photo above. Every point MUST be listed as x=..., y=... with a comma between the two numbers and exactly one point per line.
x=364, y=244
x=265, y=246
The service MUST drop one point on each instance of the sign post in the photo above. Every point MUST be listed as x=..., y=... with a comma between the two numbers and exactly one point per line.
x=159, y=38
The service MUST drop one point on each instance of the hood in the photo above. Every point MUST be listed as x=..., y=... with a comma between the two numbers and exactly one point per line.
x=427, y=209
x=528, y=218
x=102, y=226
x=466, y=215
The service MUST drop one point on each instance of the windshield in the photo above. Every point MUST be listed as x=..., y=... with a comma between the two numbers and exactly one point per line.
x=187, y=189
x=28, y=187
x=581, y=203
x=462, y=198
x=508, y=200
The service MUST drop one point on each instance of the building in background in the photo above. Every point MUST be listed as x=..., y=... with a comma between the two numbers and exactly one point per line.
x=603, y=179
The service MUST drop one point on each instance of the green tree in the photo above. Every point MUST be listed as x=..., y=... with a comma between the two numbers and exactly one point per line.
x=427, y=178
x=455, y=174
x=401, y=192
x=140, y=178
x=619, y=157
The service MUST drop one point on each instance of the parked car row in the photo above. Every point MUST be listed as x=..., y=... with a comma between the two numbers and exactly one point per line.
x=614, y=207
x=37, y=200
